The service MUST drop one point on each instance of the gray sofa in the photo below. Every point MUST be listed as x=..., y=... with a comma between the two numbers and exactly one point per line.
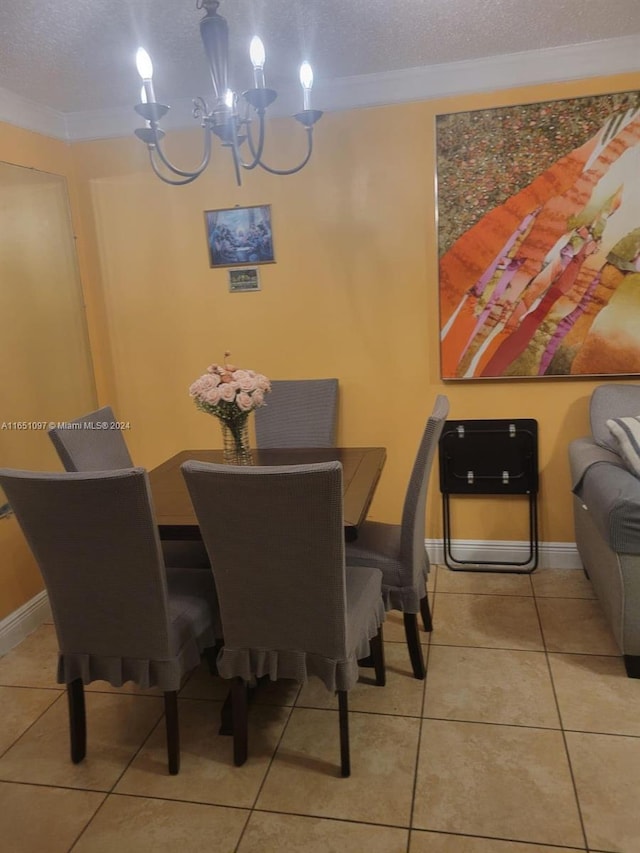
x=607, y=517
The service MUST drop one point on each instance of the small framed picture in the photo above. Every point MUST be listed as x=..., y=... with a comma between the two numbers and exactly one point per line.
x=241, y=281
x=239, y=235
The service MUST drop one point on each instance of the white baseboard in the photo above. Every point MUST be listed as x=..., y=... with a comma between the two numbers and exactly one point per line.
x=19, y=624
x=551, y=555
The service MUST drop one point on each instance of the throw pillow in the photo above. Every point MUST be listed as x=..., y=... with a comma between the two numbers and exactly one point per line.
x=626, y=432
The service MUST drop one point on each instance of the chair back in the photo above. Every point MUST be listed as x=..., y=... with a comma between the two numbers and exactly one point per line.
x=92, y=443
x=298, y=413
x=413, y=553
x=95, y=540
x=275, y=539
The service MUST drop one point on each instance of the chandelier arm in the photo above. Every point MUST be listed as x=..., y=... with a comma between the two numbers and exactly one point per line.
x=223, y=119
x=295, y=168
x=237, y=161
x=177, y=183
x=256, y=151
x=199, y=169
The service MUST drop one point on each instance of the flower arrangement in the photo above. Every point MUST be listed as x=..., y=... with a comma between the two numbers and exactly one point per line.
x=231, y=394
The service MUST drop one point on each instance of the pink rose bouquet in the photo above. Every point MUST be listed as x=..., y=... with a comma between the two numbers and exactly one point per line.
x=229, y=393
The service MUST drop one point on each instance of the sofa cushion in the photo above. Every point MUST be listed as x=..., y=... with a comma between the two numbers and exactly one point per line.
x=615, y=400
x=626, y=432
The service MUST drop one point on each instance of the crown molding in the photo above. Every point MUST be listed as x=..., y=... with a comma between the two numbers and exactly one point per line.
x=31, y=116
x=552, y=65
x=573, y=62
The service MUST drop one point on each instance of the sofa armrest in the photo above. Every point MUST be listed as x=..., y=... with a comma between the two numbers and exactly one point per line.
x=583, y=454
x=611, y=494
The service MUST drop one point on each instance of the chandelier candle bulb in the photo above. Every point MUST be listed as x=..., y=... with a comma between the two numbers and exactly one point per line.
x=257, y=56
x=306, y=79
x=145, y=70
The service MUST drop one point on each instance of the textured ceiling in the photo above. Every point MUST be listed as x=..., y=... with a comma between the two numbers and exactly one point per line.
x=78, y=55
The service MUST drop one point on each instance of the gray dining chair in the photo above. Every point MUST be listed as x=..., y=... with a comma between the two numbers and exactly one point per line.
x=91, y=443
x=398, y=550
x=94, y=442
x=288, y=609
x=298, y=413
x=119, y=615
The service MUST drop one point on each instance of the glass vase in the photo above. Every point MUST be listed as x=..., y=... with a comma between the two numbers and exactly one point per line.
x=235, y=441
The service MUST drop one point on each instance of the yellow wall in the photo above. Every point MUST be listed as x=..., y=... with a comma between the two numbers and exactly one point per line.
x=353, y=294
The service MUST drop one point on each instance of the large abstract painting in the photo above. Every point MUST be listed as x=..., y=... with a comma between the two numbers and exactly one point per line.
x=539, y=239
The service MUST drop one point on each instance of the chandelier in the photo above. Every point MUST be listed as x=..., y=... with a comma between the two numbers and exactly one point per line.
x=230, y=117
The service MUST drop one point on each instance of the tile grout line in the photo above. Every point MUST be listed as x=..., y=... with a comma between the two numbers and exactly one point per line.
x=111, y=791
x=82, y=831
x=535, y=845
x=422, y=714
x=269, y=766
x=31, y=725
x=331, y=818
x=562, y=730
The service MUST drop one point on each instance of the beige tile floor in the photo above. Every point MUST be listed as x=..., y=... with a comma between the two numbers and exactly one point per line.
x=524, y=737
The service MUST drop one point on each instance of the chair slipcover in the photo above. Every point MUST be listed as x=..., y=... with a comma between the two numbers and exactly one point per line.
x=399, y=550
x=118, y=616
x=298, y=413
x=276, y=543
x=82, y=446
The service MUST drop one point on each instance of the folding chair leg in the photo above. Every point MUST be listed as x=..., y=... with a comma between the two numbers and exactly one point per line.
x=173, y=730
x=426, y=614
x=239, y=713
x=377, y=656
x=343, y=713
x=77, y=720
x=413, y=642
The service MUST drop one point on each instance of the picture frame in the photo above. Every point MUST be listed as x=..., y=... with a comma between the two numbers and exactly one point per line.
x=243, y=280
x=237, y=236
x=538, y=212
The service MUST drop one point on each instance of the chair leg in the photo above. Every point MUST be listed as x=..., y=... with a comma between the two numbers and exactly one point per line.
x=413, y=642
x=377, y=656
x=77, y=720
x=632, y=665
x=211, y=656
x=426, y=614
x=239, y=711
x=343, y=713
x=173, y=731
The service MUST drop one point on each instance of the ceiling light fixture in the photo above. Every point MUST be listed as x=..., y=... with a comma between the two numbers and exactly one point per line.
x=230, y=117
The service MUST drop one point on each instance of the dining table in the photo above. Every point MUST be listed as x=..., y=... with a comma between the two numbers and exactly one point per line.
x=361, y=469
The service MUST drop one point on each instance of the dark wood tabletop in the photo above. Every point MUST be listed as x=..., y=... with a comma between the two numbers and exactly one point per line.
x=361, y=468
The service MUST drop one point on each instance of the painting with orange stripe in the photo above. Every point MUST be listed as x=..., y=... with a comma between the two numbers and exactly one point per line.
x=539, y=239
